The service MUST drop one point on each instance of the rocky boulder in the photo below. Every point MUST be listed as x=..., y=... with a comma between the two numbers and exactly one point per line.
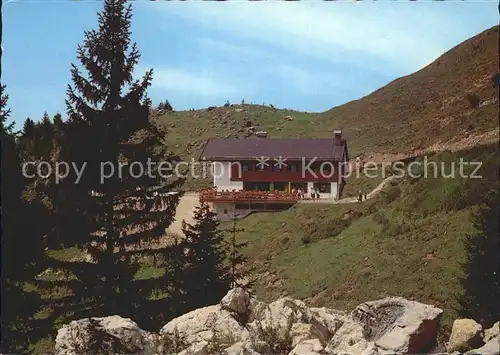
x=492, y=347
x=204, y=324
x=491, y=333
x=200, y=348
x=491, y=342
x=112, y=334
x=466, y=334
x=236, y=301
x=304, y=331
x=390, y=325
x=308, y=347
x=240, y=324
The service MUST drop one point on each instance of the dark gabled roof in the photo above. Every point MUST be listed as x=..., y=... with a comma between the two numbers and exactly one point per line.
x=220, y=149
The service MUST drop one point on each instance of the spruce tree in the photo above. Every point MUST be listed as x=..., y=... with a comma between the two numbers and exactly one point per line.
x=45, y=146
x=27, y=137
x=21, y=244
x=28, y=127
x=165, y=106
x=110, y=216
x=5, y=112
x=481, y=282
x=236, y=258
x=205, y=252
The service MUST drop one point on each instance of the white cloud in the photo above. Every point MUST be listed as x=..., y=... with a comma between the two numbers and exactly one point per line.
x=189, y=82
x=402, y=36
x=308, y=82
x=241, y=51
x=311, y=47
x=304, y=81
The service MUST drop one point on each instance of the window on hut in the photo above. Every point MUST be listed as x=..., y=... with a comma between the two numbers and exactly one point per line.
x=324, y=188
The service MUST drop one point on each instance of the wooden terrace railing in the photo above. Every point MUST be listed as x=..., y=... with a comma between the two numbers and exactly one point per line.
x=248, y=196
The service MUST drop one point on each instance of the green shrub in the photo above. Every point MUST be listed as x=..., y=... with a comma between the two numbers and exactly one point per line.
x=306, y=239
x=398, y=228
x=171, y=343
x=390, y=195
x=219, y=342
x=166, y=106
x=381, y=219
x=473, y=100
x=329, y=228
x=371, y=208
x=279, y=340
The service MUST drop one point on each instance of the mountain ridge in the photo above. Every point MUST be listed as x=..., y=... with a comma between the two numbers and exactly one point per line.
x=449, y=99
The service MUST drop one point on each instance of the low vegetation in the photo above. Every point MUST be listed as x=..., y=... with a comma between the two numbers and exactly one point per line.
x=220, y=341
x=278, y=339
x=171, y=343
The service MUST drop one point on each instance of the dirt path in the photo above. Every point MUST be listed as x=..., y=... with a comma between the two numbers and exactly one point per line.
x=370, y=195
x=454, y=145
x=184, y=211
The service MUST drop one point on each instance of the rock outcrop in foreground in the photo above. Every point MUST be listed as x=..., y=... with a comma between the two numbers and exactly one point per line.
x=240, y=324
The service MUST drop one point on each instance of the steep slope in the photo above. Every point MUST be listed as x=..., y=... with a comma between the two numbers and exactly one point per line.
x=448, y=100
x=410, y=240
x=434, y=104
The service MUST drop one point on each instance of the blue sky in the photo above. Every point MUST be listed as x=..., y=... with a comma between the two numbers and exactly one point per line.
x=306, y=55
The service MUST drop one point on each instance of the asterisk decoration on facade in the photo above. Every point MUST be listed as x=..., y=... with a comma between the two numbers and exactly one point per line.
x=280, y=162
x=262, y=162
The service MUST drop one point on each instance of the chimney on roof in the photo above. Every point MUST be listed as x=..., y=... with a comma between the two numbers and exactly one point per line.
x=261, y=134
x=337, y=137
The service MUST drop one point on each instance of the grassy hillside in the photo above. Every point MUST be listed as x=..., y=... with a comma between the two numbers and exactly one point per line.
x=450, y=99
x=409, y=242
